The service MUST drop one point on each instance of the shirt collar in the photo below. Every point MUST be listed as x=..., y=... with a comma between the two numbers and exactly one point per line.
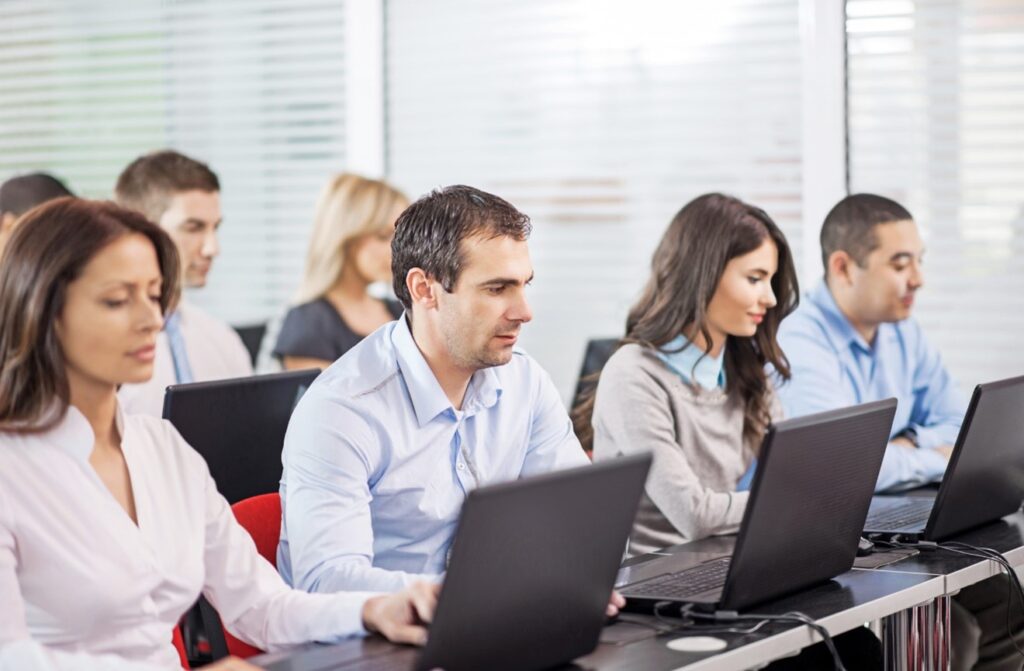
x=841, y=329
x=692, y=364
x=428, y=399
x=74, y=435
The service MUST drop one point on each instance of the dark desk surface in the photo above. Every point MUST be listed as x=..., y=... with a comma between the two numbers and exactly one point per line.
x=849, y=601
x=959, y=571
x=638, y=641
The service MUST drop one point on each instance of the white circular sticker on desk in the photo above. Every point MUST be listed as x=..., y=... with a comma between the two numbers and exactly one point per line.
x=696, y=644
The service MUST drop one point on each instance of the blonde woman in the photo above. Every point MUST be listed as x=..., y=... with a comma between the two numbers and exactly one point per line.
x=350, y=250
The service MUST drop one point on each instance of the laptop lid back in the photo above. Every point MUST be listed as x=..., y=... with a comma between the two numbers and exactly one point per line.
x=985, y=477
x=532, y=568
x=810, y=497
x=238, y=426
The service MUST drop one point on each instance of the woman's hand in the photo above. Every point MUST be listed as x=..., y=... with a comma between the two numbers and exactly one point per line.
x=400, y=617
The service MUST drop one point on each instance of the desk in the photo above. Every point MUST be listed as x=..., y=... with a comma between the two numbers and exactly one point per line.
x=840, y=605
x=907, y=597
x=911, y=638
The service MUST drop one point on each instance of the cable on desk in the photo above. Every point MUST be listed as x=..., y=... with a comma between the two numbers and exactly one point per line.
x=686, y=612
x=978, y=553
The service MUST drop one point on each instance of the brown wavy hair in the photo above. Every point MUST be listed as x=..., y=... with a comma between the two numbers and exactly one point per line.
x=48, y=250
x=687, y=265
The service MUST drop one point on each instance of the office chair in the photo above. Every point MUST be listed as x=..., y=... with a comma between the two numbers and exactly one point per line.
x=598, y=352
x=252, y=337
x=179, y=645
x=261, y=517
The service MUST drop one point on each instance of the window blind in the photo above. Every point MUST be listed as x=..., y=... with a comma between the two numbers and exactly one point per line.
x=936, y=121
x=255, y=88
x=600, y=120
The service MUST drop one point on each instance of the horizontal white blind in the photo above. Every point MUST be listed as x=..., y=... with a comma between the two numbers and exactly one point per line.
x=599, y=119
x=936, y=121
x=255, y=88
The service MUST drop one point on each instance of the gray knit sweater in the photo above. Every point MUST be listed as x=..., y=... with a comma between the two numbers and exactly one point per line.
x=696, y=436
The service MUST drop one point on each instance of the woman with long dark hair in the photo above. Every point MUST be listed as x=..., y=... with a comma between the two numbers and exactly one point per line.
x=110, y=524
x=688, y=382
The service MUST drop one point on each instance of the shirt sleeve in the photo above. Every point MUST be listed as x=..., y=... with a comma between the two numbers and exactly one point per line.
x=939, y=404
x=816, y=385
x=327, y=471
x=553, y=443
x=18, y=650
x=637, y=418
x=251, y=598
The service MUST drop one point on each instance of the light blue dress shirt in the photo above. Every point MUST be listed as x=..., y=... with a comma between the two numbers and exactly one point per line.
x=833, y=367
x=693, y=364
x=377, y=462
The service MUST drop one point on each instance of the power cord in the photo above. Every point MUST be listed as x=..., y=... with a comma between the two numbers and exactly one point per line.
x=977, y=552
x=686, y=612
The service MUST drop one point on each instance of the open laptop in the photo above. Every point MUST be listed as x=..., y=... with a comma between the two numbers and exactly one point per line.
x=811, y=492
x=532, y=568
x=530, y=574
x=238, y=425
x=984, y=480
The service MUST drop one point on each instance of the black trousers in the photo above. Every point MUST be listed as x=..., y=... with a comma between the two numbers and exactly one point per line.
x=981, y=633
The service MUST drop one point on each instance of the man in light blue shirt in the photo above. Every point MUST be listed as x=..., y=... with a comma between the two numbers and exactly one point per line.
x=852, y=339
x=383, y=448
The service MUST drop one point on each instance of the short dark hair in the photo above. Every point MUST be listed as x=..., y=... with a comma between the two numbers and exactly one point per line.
x=429, y=233
x=849, y=226
x=20, y=194
x=47, y=251
x=150, y=181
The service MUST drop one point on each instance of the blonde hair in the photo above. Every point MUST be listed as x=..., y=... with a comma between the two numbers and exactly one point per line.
x=349, y=207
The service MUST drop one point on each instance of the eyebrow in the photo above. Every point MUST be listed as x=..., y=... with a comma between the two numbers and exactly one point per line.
x=122, y=284
x=201, y=222
x=902, y=256
x=761, y=271
x=505, y=281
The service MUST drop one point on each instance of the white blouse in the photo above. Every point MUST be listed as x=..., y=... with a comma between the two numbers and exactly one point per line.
x=83, y=587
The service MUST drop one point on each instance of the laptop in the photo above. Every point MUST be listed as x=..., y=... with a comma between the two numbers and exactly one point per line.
x=238, y=425
x=532, y=568
x=529, y=577
x=984, y=480
x=810, y=495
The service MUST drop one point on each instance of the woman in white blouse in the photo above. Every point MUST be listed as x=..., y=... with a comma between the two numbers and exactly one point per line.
x=110, y=525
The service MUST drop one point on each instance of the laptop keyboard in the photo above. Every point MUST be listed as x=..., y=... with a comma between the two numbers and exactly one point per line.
x=911, y=512
x=684, y=584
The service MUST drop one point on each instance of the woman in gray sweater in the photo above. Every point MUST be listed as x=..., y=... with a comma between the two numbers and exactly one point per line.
x=688, y=382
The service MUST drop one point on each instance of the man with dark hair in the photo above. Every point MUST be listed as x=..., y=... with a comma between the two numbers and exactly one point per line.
x=20, y=194
x=382, y=449
x=852, y=340
x=182, y=195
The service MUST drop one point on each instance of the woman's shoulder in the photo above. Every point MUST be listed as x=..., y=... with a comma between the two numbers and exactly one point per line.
x=632, y=360
x=318, y=310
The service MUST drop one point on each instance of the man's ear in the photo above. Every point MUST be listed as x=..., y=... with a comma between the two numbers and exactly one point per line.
x=840, y=267
x=422, y=289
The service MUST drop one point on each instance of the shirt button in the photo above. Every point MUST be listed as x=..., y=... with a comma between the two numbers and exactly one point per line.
x=461, y=466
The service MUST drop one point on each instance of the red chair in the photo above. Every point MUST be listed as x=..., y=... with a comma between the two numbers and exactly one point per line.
x=179, y=645
x=261, y=517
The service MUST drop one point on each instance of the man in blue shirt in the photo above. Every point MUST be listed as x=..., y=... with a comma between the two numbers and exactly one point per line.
x=852, y=340
x=383, y=448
